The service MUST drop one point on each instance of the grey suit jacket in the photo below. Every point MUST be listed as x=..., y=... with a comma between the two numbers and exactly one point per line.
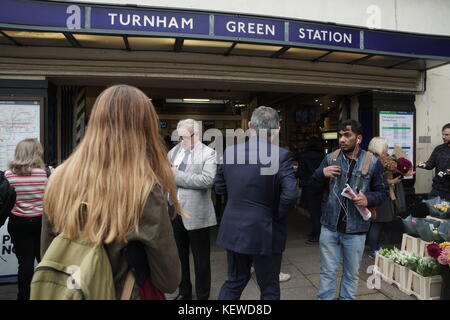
x=194, y=186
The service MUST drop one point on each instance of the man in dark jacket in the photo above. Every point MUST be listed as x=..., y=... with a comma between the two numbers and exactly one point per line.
x=440, y=159
x=308, y=161
x=259, y=179
x=7, y=198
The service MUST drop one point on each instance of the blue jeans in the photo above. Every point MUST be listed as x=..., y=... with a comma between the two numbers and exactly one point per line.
x=331, y=244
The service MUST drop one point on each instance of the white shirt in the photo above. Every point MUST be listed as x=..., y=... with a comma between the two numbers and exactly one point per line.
x=179, y=157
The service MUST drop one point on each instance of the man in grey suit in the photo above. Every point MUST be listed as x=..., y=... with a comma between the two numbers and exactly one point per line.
x=194, y=168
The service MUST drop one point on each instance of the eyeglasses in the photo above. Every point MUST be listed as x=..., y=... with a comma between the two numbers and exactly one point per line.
x=186, y=137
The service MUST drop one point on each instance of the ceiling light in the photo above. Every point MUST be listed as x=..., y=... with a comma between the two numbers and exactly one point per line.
x=196, y=100
x=317, y=100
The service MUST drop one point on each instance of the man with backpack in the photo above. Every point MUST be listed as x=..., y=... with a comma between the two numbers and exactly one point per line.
x=343, y=227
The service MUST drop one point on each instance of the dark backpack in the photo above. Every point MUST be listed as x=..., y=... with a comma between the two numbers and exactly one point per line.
x=7, y=198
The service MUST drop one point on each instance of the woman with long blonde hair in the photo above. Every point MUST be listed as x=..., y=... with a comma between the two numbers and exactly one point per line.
x=27, y=175
x=113, y=189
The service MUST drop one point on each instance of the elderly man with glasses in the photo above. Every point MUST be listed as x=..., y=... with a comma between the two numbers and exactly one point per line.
x=194, y=168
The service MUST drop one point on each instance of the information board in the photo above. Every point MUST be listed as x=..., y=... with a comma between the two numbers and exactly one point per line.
x=398, y=128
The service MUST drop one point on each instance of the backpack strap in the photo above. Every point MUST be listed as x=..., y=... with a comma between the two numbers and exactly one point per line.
x=366, y=164
x=334, y=156
x=128, y=286
x=48, y=171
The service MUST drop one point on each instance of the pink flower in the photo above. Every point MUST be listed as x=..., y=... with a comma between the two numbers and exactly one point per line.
x=444, y=258
x=434, y=250
x=414, y=222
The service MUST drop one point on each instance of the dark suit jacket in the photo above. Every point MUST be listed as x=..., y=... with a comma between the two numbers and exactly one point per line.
x=254, y=218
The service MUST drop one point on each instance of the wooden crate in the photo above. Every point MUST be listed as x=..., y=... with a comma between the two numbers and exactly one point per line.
x=398, y=275
x=382, y=267
x=423, y=252
x=414, y=245
x=424, y=288
x=410, y=243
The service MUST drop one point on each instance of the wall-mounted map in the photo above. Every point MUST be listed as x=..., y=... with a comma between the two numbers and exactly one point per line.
x=18, y=121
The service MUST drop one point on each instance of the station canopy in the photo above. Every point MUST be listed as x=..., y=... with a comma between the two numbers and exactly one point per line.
x=51, y=24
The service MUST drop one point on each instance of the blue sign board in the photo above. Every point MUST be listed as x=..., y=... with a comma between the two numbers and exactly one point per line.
x=68, y=16
x=233, y=26
x=324, y=35
x=39, y=13
x=147, y=20
x=409, y=44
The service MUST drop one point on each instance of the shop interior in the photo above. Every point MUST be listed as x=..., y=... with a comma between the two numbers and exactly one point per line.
x=302, y=114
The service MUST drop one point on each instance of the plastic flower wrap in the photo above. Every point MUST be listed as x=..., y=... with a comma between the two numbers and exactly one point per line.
x=389, y=162
x=442, y=207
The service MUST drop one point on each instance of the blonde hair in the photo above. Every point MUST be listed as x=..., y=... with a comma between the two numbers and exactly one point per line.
x=378, y=145
x=102, y=188
x=28, y=155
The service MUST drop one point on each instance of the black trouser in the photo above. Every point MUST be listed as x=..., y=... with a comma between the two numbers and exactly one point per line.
x=267, y=270
x=374, y=235
x=198, y=241
x=26, y=237
x=313, y=204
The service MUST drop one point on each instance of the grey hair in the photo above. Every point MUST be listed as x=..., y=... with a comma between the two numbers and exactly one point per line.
x=191, y=124
x=377, y=145
x=265, y=118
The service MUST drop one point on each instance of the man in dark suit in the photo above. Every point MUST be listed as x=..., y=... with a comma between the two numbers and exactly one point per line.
x=259, y=180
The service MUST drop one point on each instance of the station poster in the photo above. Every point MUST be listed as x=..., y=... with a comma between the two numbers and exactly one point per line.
x=398, y=128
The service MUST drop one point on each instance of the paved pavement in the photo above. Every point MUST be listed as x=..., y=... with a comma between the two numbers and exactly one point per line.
x=300, y=260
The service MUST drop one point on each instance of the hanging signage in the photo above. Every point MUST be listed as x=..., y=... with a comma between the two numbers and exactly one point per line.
x=398, y=128
x=231, y=26
x=409, y=44
x=324, y=35
x=62, y=17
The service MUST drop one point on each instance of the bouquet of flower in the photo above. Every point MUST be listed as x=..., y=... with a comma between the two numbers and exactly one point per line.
x=443, y=207
x=396, y=166
x=438, y=207
x=424, y=266
x=385, y=252
x=440, y=252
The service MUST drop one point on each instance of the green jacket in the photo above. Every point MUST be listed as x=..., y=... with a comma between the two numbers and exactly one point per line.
x=155, y=232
